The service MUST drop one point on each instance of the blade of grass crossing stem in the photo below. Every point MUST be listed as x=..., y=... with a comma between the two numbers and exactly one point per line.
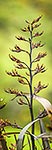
x=21, y=135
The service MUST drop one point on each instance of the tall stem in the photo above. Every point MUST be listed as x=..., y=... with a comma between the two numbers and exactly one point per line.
x=31, y=94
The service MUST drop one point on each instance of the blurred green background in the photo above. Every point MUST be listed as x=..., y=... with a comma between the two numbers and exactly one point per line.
x=13, y=14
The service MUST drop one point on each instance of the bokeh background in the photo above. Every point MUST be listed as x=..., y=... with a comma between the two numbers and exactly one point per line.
x=13, y=14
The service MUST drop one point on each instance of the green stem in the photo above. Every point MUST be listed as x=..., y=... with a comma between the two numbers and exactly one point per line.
x=31, y=94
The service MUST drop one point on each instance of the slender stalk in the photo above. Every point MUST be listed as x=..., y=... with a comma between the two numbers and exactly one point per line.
x=45, y=141
x=31, y=94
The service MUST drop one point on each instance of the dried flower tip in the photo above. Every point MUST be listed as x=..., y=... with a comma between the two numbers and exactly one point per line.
x=36, y=45
x=27, y=74
x=13, y=91
x=24, y=29
x=20, y=66
x=36, y=25
x=39, y=87
x=41, y=45
x=14, y=59
x=27, y=21
x=28, y=27
x=21, y=81
x=39, y=69
x=18, y=49
x=36, y=20
x=38, y=34
x=40, y=55
x=21, y=38
x=3, y=123
x=13, y=73
x=21, y=102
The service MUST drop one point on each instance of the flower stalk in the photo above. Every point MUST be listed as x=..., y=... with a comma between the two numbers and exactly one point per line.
x=28, y=98
x=31, y=93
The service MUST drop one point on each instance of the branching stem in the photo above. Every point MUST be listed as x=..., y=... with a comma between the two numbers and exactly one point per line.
x=31, y=94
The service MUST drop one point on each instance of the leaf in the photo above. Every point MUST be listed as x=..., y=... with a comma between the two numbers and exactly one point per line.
x=29, y=142
x=20, y=137
x=46, y=104
x=43, y=135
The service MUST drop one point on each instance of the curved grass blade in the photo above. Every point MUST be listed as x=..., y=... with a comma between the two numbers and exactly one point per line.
x=21, y=135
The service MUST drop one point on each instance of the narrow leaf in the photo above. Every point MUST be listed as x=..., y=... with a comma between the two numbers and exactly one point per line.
x=46, y=104
x=20, y=137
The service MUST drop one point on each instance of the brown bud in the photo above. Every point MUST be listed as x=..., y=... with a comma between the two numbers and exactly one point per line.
x=39, y=69
x=20, y=66
x=21, y=38
x=39, y=87
x=41, y=45
x=40, y=55
x=20, y=101
x=36, y=25
x=38, y=34
x=18, y=49
x=13, y=91
x=36, y=45
x=27, y=74
x=28, y=28
x=24, y=30
x=13, y=73
x=36, y=20
x=21, y=81
x=27, y=21
x=14, y=59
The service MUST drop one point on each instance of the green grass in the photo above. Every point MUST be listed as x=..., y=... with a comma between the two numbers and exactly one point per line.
x=10, y=138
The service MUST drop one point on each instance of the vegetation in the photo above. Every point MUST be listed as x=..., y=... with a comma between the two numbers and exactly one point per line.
x=26, y=78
